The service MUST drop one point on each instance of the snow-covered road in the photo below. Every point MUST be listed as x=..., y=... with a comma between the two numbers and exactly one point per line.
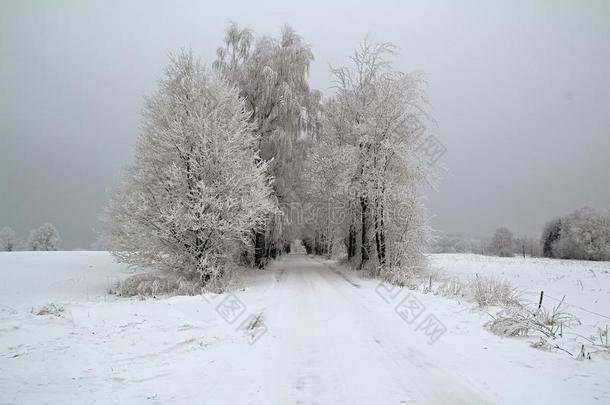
x=341, y=344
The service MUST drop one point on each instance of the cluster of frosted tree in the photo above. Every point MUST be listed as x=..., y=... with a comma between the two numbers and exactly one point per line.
x=365, y=173
x=583, y=235
x=44, y=238
x=502, y=243
x=237, y=161
x=197, y=188
x=456, y=243
x=271, y=74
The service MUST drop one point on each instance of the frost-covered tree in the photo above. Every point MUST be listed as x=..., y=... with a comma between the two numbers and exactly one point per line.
x=327, y=212
x=43, y=238
x=376, y=120
x=583, y=235
x=8, y=239
x=550, y=235
x=271, y=74
x=197, y=188
x=502, y=243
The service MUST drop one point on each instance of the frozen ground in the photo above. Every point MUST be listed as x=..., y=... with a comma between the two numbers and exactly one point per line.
x=584, y=284
x=304, y=332
x=32, y=279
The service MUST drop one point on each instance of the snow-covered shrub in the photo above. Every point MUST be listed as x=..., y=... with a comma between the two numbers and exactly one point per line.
x=8, y=239
x=521, y=321
x=452, y=288
x=52, y=309
x=44, y=238
x=511, y=322
x=484, y=291
x=551, y=322
x=155, y=284
x=488, y=291
x=397, y=275
x=543, y=344
x=197, y=188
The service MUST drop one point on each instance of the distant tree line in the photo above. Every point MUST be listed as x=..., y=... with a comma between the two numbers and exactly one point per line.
x=502, y=243
x=581, y=235
x=456, y=243
x=44, y=238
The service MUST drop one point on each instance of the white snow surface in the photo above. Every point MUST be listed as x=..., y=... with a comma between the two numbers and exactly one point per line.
x=330, y=338
x=584, y=286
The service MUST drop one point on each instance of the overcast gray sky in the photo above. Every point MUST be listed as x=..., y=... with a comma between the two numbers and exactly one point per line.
x=520, y=92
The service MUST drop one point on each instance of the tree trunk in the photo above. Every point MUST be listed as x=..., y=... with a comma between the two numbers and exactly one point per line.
x=365, y=248
x=329, y=243
x=380, y=235
x=259, y=249
x=270, y=251
x=320, y=243
x=351, y=242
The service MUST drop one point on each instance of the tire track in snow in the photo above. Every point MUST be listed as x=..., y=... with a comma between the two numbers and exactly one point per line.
x=339, y=348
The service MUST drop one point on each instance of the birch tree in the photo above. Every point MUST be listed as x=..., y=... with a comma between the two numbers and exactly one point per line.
x=197, y=187
x=271, y=74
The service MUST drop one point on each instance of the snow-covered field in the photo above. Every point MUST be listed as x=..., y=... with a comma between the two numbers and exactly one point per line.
x=306, y=331
x=583, y=285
